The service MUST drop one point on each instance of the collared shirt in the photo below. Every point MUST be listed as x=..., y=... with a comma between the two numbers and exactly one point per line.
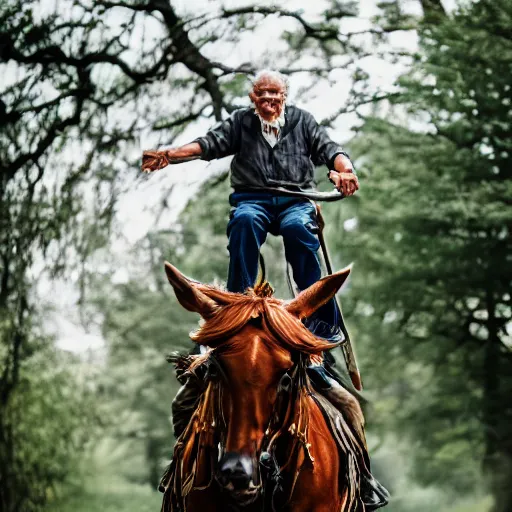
x=290, y=162
x=272, y=130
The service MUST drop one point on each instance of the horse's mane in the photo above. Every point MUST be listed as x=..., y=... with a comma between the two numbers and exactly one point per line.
x=237, y=309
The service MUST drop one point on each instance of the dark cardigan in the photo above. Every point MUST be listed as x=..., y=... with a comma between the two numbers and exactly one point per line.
x=302, y=144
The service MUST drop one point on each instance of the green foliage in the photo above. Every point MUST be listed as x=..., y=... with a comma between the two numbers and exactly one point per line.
x=108, y=495
x=130, y=498
x=141, y=328
x=432, y=281
x=49, y=420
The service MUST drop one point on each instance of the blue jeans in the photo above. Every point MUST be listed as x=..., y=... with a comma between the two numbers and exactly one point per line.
x=253, y=216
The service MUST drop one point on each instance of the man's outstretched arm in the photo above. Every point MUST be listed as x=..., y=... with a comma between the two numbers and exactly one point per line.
x=220, y=141
x=155, y=160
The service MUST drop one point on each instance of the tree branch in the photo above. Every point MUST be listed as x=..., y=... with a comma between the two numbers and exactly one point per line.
x=354, y=106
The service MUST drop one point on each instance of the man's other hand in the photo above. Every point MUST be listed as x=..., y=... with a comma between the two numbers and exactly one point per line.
x=154, y=161
x=345, y=182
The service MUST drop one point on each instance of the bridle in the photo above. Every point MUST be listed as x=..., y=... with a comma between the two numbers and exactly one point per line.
x=267, y=475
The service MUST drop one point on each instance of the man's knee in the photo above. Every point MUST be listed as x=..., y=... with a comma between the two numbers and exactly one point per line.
x=243, y=220
x=245, y=227
x=298, y=231
x=293, y=229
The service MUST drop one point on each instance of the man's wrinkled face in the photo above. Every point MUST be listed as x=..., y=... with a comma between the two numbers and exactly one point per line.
x=268, y=96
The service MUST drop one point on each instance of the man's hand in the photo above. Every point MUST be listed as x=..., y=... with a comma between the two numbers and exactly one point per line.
x=154, y=160
x=345, y=182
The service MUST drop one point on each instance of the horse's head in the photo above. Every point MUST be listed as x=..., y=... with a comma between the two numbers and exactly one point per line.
x=254, y=337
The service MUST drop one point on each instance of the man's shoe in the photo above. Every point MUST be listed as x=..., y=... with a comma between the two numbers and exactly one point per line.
x=322, y=329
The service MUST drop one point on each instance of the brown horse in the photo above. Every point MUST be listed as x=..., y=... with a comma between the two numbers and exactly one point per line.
x=260, y=438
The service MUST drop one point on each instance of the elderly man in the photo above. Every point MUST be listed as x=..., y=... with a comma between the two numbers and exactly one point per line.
x=274, y=145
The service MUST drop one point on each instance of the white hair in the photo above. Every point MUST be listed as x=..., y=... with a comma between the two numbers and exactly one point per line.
x=275, y=75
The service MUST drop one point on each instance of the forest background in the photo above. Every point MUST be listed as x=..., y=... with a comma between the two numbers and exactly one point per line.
x=419, y=93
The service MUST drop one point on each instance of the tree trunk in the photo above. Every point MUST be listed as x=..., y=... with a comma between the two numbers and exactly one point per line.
x=497, y=462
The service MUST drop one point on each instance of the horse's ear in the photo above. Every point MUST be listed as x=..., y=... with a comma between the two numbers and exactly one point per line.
x=220, y=297
x=188, y=293
x=312, y=298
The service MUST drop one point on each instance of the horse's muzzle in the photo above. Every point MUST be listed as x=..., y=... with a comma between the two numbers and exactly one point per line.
x=236, y=475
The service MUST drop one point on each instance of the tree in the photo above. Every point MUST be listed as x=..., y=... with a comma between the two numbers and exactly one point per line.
x=433, y=252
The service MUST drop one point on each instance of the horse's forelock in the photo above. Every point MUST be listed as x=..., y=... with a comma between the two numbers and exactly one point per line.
x=291, y=333
x=282, y=327
x=227, y=321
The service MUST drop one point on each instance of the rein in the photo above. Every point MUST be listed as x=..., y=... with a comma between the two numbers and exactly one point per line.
x=313, y=195
x=289, y=418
